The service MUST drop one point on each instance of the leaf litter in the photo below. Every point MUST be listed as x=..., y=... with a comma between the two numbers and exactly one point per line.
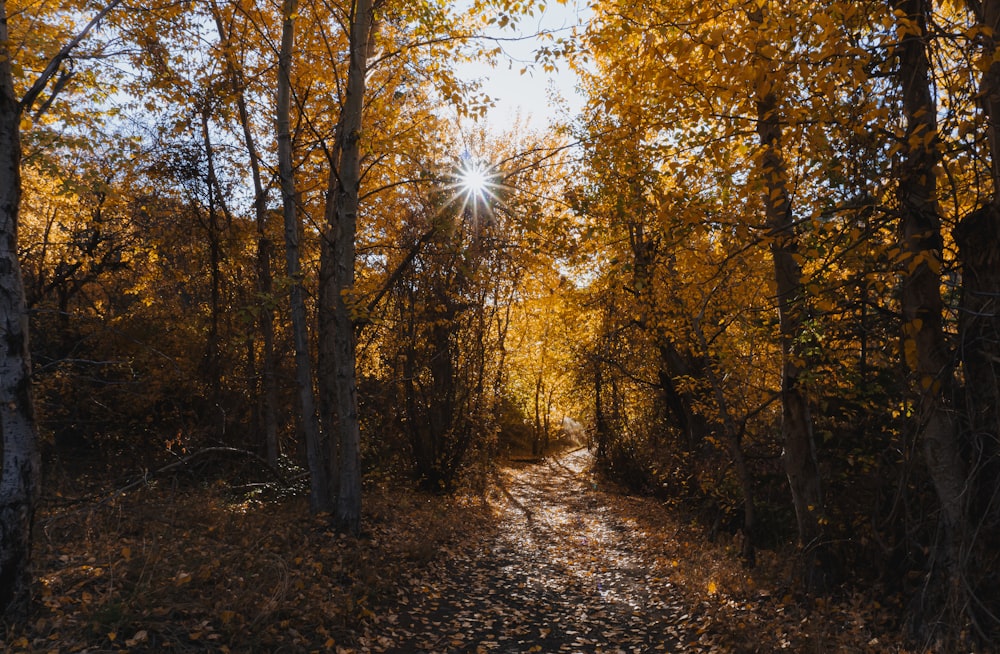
x=550, y=559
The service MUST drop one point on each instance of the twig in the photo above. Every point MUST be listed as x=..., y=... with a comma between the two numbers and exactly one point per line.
x=183, y=461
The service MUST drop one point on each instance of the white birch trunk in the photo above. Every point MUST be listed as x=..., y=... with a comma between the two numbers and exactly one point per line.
x=20, y=472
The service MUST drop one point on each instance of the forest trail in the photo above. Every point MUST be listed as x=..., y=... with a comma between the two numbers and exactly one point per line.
x=563, y=572
x=557, y=561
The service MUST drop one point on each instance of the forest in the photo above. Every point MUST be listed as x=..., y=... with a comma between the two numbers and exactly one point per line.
x=286, y=329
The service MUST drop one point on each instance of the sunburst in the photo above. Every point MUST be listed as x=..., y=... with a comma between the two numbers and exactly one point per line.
x=474, y=180
x=475, y=189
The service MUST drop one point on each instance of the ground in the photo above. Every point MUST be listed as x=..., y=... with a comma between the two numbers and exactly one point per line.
x=546, y=557
x=563, y=572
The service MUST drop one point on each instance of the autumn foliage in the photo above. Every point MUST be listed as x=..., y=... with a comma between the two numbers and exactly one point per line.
x=756, y=277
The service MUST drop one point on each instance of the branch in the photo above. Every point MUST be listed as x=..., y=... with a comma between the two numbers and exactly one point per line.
x=46, y=76
x=397, y=273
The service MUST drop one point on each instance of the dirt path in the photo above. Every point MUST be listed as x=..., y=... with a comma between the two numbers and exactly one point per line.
x=563, y=573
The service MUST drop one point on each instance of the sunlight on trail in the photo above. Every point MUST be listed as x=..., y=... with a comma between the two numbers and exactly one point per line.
x=562, y=573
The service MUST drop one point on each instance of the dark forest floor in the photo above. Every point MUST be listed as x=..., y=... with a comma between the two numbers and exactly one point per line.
x=549, y=559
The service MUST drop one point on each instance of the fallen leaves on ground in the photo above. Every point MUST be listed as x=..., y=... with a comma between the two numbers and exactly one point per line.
x=552, y=561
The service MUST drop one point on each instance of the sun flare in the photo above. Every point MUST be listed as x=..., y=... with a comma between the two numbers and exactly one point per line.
x=474, y=180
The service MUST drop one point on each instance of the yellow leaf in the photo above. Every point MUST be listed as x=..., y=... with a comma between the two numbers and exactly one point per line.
x=111, y=636
x=126, y=552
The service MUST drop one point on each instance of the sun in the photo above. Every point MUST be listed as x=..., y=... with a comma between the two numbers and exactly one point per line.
x=474, y=180
x=474, y=190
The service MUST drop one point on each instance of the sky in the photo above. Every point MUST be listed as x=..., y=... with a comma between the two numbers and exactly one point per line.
x=529, y=94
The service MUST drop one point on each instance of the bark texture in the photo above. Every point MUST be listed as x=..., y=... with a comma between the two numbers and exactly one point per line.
x=338, y=283
x=920, y=227
x=978, y=239
x=19, y=488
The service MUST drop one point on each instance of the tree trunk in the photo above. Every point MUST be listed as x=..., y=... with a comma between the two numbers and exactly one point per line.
x=731, y=434
x=341, y=216
x=978, y=238
x=925, y=348
x=979, y=347
x=799, y=454
x=674, y=365
x=536, y=439
x=19, y=488
x=212, y=360
x=600, y=436
x=987, y=13
x=268, y=395
x=268, y=401
x=320, y=498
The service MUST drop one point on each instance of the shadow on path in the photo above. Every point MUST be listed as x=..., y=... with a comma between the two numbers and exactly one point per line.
x=562, y=573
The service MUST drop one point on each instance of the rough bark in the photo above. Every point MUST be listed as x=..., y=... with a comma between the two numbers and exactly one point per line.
x=19, y=479
x=978, y=239
x=979, y=352
x=920, y=228
x=320, y=498
x=341, y=216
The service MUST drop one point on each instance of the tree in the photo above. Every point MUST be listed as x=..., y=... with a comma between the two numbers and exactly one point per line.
x=268, y=394
x=926, y=350
x=801, y=465
x=19, y=483
x=319, y=497
x=19, y=488
x=341, y=254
